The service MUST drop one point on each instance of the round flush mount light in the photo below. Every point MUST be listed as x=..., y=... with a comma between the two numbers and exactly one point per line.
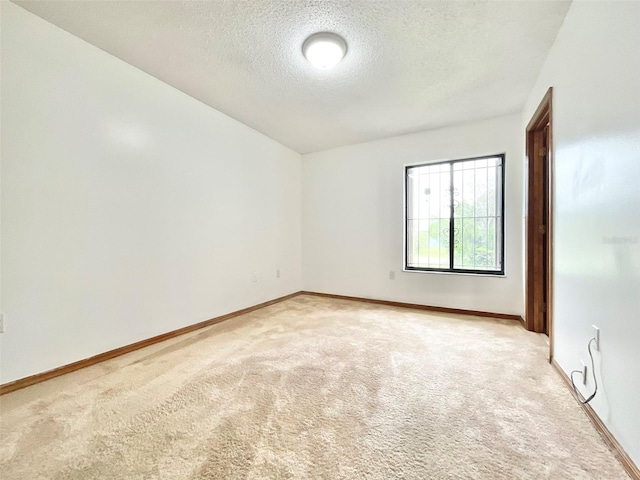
x=324, y=50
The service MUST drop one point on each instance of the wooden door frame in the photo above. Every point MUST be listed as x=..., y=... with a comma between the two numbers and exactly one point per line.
x=541, y=117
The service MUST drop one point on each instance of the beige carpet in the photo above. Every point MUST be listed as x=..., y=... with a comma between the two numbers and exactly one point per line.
x=312, y=388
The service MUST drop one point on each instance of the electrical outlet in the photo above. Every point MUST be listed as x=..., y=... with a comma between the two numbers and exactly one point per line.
x=254, y=277
x=584, y=372
x=392, y=275
x=2, y=323
x=596, y=335
x=278, y=273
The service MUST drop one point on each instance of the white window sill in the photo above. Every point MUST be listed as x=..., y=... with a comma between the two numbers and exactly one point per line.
x=493, y=275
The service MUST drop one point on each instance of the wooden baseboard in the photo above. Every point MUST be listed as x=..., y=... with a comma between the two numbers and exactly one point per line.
x=604, y=432
x=458, y=311
x=56, y=372
x=609, y=439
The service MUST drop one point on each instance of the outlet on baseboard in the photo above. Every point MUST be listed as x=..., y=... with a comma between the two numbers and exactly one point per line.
x=584, y=372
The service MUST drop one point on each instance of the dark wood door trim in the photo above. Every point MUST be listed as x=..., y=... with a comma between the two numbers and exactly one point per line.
x=539, y=221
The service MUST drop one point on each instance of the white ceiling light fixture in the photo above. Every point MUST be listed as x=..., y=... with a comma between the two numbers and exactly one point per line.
x=324, y=49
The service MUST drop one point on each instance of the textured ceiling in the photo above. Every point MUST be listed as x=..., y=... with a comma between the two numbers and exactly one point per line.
x=411, y=65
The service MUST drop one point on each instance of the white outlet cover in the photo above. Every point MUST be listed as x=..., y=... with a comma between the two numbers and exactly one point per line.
x=596, y=335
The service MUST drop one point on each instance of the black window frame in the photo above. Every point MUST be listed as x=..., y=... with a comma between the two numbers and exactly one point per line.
x=451, y=269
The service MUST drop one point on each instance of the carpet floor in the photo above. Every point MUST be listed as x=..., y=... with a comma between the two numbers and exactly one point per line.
x=312, y=388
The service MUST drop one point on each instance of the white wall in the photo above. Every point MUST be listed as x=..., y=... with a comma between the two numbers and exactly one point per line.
x=128, y=208
x=594, y=68
x=353, y=218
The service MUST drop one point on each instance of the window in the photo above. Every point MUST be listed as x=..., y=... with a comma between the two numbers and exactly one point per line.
x=454, y=216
